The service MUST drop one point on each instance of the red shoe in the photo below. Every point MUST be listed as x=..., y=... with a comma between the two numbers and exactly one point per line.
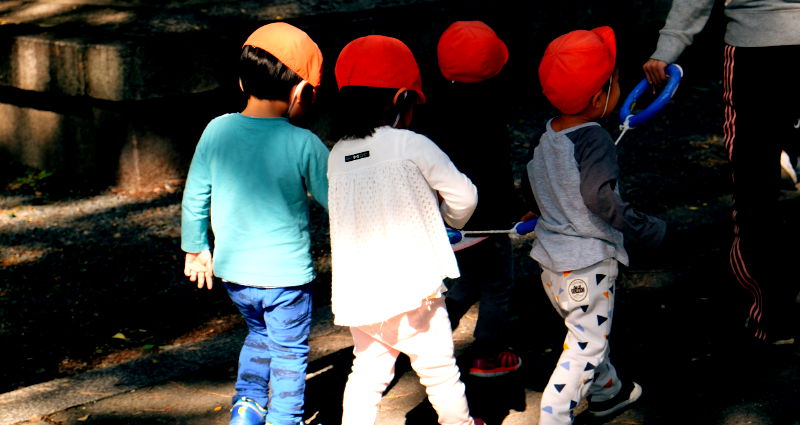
x=503, y=363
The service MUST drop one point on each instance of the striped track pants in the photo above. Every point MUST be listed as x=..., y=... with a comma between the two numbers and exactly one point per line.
x=762, y=104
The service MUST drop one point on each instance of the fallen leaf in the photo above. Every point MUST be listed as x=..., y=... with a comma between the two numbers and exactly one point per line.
x=83, y=418
x=119, y=335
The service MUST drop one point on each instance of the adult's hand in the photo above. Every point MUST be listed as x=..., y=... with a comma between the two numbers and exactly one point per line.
x=655, y=71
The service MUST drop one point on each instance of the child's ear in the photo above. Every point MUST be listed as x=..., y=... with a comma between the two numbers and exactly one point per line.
x=297, y=102
x=297, y=96
x=403, y=103
x=405, y=99
x=304, y=94
x=401, y=97
x=597, y=99
x=309, y=94
x=297, y=93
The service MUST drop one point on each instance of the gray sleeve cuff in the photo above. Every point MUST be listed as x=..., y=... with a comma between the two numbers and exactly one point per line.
x=668, y=49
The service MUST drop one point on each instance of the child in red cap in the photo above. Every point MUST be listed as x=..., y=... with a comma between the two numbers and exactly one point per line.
x=573, y=176
x=390, y=250
x=256, y=169
x=471, y=57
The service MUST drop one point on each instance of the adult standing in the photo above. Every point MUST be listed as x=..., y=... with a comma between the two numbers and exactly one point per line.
x=760, y=93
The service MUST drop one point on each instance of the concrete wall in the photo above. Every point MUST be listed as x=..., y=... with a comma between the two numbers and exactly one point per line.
x=119, y=91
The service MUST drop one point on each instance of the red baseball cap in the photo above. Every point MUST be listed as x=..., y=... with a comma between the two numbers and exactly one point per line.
x=470, y=51
x=576, y=65
x=292, y=46
x=378, y=61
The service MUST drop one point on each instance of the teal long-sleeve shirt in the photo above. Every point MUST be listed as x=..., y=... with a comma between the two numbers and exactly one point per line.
x=250, y=179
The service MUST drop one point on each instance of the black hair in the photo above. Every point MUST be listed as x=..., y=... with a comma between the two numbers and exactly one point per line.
x=463, y=98
x=360, y=110
x=264, y=76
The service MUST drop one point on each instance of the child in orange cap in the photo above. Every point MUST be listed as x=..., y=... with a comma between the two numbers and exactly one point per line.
x=471, y=58
x=574, y=176
x=390, y=250
x=257, y=169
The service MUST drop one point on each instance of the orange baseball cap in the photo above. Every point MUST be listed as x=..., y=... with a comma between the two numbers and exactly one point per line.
x=470, y=51
x=292, y=46
x=378, y=61
x=576, y=65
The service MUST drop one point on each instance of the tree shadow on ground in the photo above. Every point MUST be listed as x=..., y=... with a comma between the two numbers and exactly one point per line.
x=324, y=391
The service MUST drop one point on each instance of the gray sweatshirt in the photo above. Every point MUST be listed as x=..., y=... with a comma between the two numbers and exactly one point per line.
x=573, y=176
x=750, y=23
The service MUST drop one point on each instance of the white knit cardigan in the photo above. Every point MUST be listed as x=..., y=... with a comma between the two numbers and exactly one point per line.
x=389, y=246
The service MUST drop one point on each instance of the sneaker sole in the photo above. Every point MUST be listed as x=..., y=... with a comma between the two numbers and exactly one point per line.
x=495, y=372
x=635, y=394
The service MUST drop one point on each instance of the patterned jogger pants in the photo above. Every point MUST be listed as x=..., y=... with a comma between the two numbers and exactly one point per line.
x=585, y=299
x=274, y=357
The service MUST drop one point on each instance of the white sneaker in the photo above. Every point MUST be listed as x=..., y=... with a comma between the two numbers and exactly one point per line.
x=629, y=393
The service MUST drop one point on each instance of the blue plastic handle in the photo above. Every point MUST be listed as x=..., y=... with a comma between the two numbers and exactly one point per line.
x=454, y=235
x=675, y=73
x=525, y=227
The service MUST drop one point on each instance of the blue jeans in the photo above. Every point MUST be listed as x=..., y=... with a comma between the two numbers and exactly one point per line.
x=275, y=353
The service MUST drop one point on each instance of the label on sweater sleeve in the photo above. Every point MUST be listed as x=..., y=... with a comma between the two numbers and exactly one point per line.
x=355, y=156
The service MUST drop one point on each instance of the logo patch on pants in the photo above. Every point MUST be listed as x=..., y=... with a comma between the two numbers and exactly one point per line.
x=577, y=289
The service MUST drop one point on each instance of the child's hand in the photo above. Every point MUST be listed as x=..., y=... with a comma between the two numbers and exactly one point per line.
x=199, y=267
x=528, y=216
x=523, y=229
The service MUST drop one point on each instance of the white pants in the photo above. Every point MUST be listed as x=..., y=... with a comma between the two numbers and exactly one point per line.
x=585, y=299
x=425, y=336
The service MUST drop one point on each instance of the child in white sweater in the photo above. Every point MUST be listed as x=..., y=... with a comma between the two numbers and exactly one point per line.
x=389, y=245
